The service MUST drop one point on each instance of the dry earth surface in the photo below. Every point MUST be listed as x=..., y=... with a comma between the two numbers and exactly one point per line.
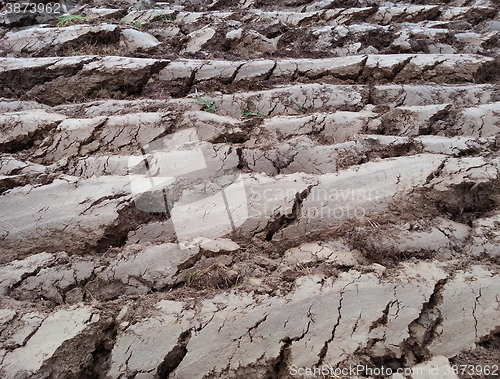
x=238, y=188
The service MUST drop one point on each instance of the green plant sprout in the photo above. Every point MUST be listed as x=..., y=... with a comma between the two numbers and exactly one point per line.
x=164, y=18
x=70, y=19
x=145, y=5
x=167, y=17
x=208, y=104
x=137, y=24
x=238, y=284
x=297, y=104
x=256, y=112
x=192, y=276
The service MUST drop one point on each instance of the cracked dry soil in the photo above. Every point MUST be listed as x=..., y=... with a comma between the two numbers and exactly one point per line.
x=250, y=188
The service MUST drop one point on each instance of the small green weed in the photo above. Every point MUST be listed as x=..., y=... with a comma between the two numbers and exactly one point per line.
x=192, y=276
x=208, y=104
x=164, y=18
x=70, y=19
x=137, y=24
x=297, y=104
x=238, y=283
x=167, y=17
x=145, y=5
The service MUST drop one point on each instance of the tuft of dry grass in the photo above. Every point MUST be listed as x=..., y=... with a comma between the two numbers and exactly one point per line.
x=213, y=277
x=92, y=49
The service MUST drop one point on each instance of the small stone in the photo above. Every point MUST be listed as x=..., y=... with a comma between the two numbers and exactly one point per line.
x=133, y=40
x=220, y=245
x=234, y=34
